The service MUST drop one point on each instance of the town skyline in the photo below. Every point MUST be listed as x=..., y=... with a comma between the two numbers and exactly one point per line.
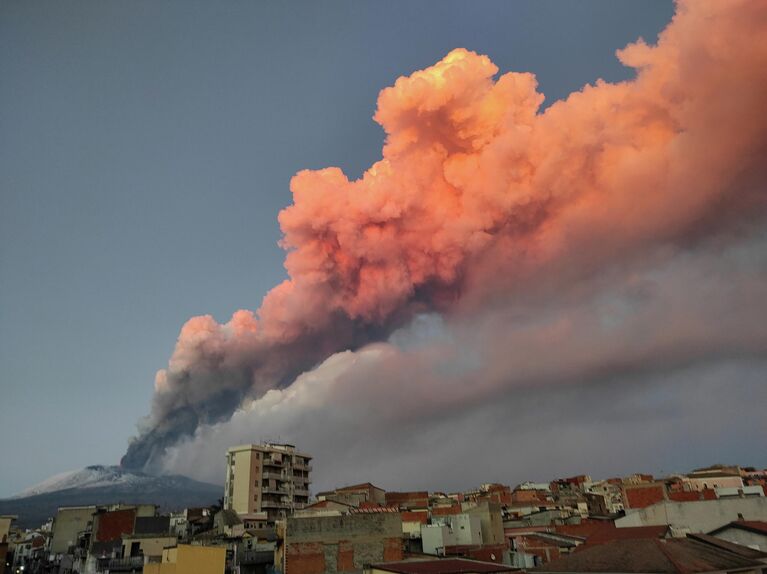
x=375, y=287
x=267, y=519
x=207, y=243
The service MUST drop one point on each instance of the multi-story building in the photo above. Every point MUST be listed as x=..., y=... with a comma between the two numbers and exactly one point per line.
x=611, y=494
x=266, y=478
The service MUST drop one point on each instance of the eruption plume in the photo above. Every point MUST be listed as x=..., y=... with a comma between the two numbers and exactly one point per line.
x=479, y=194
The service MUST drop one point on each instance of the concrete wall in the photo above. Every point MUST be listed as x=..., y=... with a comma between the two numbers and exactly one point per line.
x=66, y=525
x=242, y=489
x=698, y=516
x=699, y=483
x=434, y=538
x=149, y=546
x=5, y=527
x=316, y=545
x=456, y=530
x=491, y=519
x=465, y=529
x=200, y=559
x=190, y=560
x=755, y=490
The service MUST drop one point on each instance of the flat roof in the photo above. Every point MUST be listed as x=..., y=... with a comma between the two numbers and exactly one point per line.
x=268, y=447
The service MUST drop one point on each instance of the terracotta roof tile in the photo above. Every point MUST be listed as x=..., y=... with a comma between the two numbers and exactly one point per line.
x=673, y=556
x=444, y=566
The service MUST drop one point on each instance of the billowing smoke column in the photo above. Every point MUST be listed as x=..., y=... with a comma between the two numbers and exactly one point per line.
x=478, y=191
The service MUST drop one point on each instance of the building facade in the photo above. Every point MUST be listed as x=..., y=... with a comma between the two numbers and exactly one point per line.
x=271, y=479
x=334, y=544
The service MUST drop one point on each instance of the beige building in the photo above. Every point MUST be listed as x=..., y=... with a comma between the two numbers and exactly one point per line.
x=67, y=524
x=713, y=477
x=355, y=495
x=266, y=478
x=5, y=526
x=146, y=545
x=184, y=559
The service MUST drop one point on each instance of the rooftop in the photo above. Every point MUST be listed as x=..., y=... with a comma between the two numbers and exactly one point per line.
x=443, y=566
x=268, y=447
x=604, y=535
x=744, y=551
x=363, y=486
x=673, y=556
x=757, y=526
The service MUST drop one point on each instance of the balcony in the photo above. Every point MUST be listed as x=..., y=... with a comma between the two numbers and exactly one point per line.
x=252, y=557
x=274, y=475
x=276, y=490
x=130, y=564
x=275, y=504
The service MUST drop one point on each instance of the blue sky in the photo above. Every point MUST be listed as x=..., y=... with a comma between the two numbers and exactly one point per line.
x=146, y=149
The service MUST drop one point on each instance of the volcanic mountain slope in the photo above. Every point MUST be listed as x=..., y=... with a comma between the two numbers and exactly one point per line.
x=106, y=485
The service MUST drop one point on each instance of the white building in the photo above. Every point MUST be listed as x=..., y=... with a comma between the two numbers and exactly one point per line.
x=454, y=530
x=746, y=533
x=697, y=516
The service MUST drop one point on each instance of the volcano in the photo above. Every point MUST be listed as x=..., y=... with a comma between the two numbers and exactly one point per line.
x=100, y=484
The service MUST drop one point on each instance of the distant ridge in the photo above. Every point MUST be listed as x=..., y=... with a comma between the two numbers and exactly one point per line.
x=106, y=485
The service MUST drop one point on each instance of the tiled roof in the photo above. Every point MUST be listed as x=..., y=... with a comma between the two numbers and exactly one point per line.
x=375, y=510
x=643, y=495
x=229, y=518
x=363, y=486
x=745, y=551
x=324, y=504
x=584, y=529
x=604, y=535
x=408, y=495
x=444, y=566
x=446, y=510
x=673, y=556
x=713, y=474
x=559, y=540
x=758, y=526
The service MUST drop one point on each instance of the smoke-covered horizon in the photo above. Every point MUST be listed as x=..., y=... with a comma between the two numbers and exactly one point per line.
x=616, y=234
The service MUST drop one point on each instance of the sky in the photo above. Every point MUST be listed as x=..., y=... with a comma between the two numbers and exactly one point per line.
x=146, y=150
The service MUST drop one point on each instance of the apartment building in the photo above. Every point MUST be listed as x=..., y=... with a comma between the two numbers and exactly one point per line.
x=266, y=479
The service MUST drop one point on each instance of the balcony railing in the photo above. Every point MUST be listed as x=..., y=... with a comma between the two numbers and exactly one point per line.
x=276, y=490
x=274, y=475
x=129, y=564
x=250, y=557
x=275, y=504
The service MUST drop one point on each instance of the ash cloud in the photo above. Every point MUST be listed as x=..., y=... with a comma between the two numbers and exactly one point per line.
x=458, y=402
x=536, y=231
